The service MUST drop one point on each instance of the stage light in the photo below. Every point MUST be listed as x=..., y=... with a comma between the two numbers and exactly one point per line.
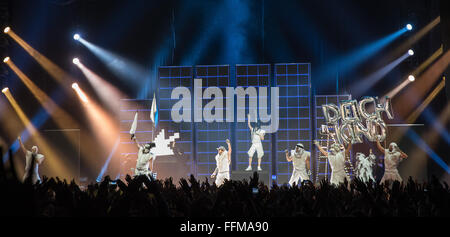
x=76, y=36
x=76, y=61
x=6, y=89
x=411, y=78
x=108, y=93
x=360, y=87
x=54, y=70
x=120, y=66
x=80, y=93
x=409, y=27
x=7, y=29
x=411, y=52
x=6, y=59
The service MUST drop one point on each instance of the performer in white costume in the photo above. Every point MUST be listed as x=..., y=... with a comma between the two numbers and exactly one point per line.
x=257, y=134
x=38, y=159
x=364, y=166
x=144, y=158
x=223, y=161
x=336, y=157
x=392, y=157
x=300, y=162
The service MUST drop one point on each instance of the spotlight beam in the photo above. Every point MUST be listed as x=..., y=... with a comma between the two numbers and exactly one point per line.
x=412, y=40
x=366, y=83
x=347, y=62
x=80, y=93
x=414, y=94
x=432, y=137
x=120, y=66
x=55, y=71
x=414, y=115
x=108, y=93
x=58, y=168
x=416, y=72
x=61, y=117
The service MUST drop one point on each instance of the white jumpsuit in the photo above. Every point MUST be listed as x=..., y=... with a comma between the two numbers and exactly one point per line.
x=143, y=162
x=223, y=168
x=299, y=164
x=35, y=173
x=391, y=161
x=256, y=144
x=337, y=163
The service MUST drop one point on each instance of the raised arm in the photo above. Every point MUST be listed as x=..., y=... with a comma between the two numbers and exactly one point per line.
x=403, y=155
x=22, y=146
x=380, y=147
x=288, y=157
x=249, y=126
x=325, y=153
x=229, y=150
x=136, y=142
x=347, y=151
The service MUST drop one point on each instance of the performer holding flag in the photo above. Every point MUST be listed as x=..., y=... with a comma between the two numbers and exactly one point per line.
x=144, y=154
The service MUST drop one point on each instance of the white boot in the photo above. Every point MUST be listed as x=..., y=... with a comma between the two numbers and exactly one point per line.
x=259, y=168
x=249, y=168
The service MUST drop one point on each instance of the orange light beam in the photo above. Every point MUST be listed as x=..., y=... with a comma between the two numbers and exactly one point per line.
x=416, y=72
x=57, y=167
x=61, y=117
x=54, y=70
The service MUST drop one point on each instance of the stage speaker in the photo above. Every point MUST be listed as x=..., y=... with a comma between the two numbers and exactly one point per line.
x=445, y=32
x=264, y=176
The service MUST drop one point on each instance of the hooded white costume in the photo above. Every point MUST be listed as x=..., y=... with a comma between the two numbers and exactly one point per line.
x=143, y=160
x=336, y=157
x=299, y=163
x=39, y=158
x=222, y=170
x=391, y=161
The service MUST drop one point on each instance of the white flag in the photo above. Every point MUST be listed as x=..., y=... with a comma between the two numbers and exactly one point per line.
x=134, y=124
x=154, y=111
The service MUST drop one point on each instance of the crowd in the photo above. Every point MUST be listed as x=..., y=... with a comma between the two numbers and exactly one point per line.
x=140, y=196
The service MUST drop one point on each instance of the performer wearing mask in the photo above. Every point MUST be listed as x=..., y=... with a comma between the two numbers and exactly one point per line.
x=392, y=157
x=336, y=157
x=223, y=161
x=38, y=159
x=364, y=166
x=144, y=158
x=257, y=134
x=300, y=162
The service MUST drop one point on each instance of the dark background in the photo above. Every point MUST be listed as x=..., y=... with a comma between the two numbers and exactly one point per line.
x=154, y=33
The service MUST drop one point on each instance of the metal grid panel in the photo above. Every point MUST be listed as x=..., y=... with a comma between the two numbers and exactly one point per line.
x=171, y=77
x=209, y=136
x=255, y=75
x=294, y=82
